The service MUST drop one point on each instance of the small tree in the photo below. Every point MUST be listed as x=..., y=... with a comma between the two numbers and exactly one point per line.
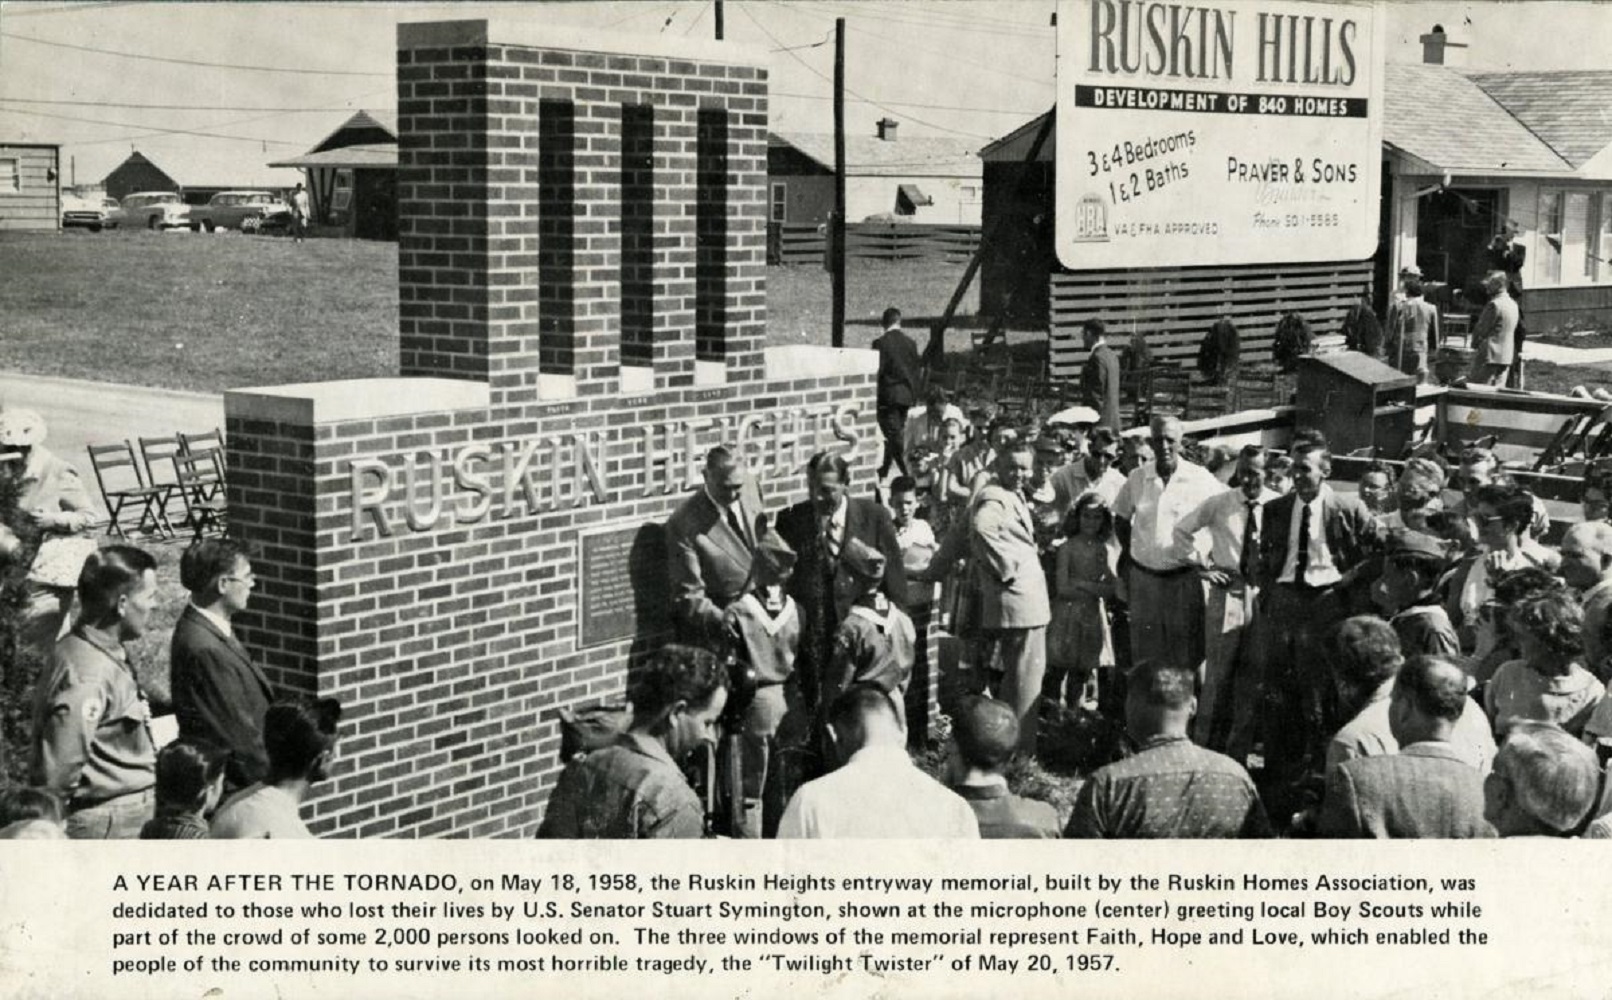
x=19, y=667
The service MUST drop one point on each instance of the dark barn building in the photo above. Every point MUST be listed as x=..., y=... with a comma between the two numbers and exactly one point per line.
x=137, y=173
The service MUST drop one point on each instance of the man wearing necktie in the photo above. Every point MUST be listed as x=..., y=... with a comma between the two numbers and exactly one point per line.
x=220, y=695
x=818, y=529
x=1228, y=707
x=1314, y=544
x=710, y=540
x=1014, y=609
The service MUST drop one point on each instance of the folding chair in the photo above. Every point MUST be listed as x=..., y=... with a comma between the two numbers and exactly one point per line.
x=199, y=467
x=157, y=454
x=203, y=491
x=1255, y=388
x=107, y=460
x=208, y=442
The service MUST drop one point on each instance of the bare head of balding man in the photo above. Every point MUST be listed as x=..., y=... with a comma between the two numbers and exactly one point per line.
x=1429, y=697
x=1587, y=554
x=724, y=476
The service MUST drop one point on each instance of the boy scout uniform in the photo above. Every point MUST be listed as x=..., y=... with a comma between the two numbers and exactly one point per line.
x=92, y=742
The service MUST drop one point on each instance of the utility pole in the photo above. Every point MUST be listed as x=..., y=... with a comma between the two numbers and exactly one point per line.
x=836, y=233
x=718, y=20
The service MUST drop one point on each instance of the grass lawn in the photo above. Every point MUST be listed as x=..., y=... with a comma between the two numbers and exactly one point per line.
x=186, y=311
x=1543, y=376
x=212, y=312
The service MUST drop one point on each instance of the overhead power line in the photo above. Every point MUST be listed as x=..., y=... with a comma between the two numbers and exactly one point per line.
x=866, y=100
x=902, y=45
x=36, y=10
x=147, y=131
x=190, y=62
x=161, y=107
x=931, y=17
x=914, y=104
x=162, y=131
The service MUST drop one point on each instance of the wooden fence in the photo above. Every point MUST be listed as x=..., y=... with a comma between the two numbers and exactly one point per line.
x=1175, y=307
x=805, y=243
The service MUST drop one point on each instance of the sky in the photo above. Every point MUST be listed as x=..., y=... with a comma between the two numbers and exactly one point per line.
x=214, y=91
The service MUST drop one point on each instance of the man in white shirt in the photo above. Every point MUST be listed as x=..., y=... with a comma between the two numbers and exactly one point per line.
x=926, y=425
x=1095, y=472
x=1230, y=698
x=1166, y=595
x=877, y=793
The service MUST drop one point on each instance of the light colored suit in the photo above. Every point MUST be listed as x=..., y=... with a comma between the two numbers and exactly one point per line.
x=708, y=563
x=1494, y=336
x=1427, y=790
x=1014, y=608
x=1013, y=586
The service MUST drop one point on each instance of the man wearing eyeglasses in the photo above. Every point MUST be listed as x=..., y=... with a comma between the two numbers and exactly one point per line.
x=1095, y=472
x=220, y=695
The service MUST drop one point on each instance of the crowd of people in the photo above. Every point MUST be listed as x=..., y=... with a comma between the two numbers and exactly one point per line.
x=243, y=760
x=1288, y=658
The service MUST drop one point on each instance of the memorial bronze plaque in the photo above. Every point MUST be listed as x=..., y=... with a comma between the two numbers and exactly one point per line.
x=623, y=581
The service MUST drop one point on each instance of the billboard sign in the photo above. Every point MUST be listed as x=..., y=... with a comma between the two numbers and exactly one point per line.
x=1238, y=132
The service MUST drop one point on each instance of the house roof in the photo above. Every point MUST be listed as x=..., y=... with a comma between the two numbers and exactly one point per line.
x=1445, y=119
x=363, y=128
x=221, y=165
x=1432, y=113
x=1015, y=146
x=870, y=156
x=1570, y=110
x=374, y=156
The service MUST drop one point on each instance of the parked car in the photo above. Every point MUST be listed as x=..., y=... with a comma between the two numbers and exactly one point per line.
x=278, y=223
x=87, y=213
x=242, y=210
x=151, y=210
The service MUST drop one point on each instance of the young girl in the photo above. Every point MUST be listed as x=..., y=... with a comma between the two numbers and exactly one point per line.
x=1078, y=640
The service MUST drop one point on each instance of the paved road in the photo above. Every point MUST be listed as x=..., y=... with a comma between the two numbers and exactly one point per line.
x=78, y=413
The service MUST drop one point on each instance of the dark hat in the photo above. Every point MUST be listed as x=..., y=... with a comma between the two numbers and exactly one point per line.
x=863, y=559
x=1404, y=542
x=1048, y=443
x=774, y=558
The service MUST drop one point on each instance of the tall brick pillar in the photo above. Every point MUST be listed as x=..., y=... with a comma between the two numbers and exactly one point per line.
x=459, y=552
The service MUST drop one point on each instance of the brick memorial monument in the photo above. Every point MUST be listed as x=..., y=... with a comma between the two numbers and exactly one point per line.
x=459, y=552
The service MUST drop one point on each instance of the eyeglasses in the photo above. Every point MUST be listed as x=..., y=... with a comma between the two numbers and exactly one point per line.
x=249, y=579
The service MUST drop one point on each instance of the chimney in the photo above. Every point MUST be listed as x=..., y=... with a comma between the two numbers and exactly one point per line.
x=1438, y=50
x=887, y=129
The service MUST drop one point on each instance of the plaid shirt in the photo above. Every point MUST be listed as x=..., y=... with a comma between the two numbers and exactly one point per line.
x=1171, y=789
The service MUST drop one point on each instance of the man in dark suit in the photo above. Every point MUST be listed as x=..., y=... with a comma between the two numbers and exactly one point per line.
x=220, y=695
x=1314, y=546
x=818, y=529
x=710, y=540
x=901, y=374
x=1429, y=788
x=1099, y=379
